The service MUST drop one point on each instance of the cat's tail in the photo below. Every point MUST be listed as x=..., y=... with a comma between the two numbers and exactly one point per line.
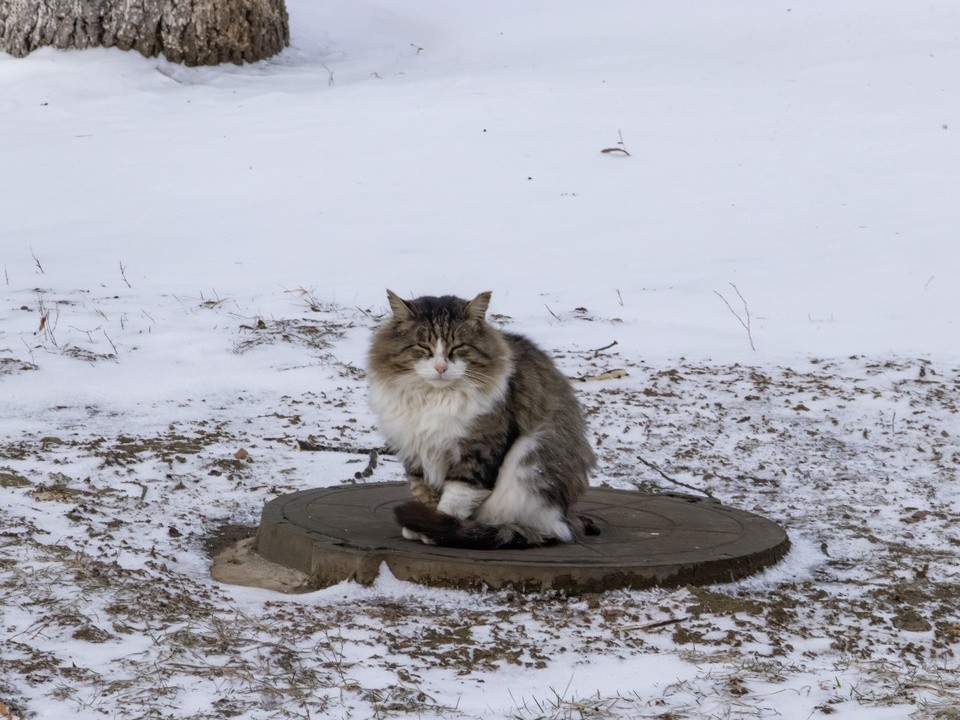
x=451, y=531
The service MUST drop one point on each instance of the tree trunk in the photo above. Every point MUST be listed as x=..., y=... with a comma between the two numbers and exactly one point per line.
x=193, y=32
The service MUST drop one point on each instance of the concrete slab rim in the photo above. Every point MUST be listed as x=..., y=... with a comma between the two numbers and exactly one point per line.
x=330, y=555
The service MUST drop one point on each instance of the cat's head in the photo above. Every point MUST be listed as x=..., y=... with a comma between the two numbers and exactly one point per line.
x=442, y=342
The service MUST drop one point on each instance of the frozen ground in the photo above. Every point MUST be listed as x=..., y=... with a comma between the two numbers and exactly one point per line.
x=193, y=261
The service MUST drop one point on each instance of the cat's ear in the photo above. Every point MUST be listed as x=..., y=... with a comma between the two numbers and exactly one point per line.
x=477, y=308
x=401, y=311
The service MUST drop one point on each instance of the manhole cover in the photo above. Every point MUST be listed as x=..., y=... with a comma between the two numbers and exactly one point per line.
x=334, y=534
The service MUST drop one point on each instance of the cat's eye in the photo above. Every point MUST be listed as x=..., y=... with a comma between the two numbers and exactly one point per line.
x=468, y=350
x=420, y=351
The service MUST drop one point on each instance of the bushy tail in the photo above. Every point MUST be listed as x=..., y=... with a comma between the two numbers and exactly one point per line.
x=451, y=531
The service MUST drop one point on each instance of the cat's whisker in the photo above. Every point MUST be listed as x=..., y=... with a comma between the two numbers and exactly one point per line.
x=478, y=384
x=477, y=375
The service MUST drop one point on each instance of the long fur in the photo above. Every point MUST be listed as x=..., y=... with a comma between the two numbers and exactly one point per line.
x=488, y=429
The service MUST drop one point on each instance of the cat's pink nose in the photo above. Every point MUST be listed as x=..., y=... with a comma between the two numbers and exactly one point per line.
x=440, y=366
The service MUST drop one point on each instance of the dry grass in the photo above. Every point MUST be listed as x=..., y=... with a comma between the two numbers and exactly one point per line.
x=871, y=496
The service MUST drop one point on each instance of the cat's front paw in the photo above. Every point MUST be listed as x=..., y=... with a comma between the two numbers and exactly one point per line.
x=409, y=534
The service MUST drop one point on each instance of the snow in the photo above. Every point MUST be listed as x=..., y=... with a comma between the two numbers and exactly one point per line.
x=210, y=247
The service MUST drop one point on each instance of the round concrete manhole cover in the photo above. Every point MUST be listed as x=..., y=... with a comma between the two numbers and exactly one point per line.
x=347, y=532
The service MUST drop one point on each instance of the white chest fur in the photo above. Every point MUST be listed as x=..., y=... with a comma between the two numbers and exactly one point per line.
x=424, y=424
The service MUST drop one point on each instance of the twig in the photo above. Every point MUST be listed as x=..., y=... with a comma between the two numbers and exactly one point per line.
x=29, y=350
x=745, y=321
x=311, y=302
x=330, y=81
x=666, y=477
x=309, y=446
x=211, y=304
x=369, y=313
x=614, y=374
x=605, y=347
x=619, y=298
x=656, y=624
x=620, y=147
x=48, y=322
x=115, y=353
x=123, y=274
x=6, y=275
x=39, y=266
x=88, y=333
x=552, y=312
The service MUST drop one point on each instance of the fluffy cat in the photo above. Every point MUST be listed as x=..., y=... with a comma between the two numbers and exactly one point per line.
x=490, y=433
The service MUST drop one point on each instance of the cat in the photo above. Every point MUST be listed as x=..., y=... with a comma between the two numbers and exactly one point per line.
x=490, y=433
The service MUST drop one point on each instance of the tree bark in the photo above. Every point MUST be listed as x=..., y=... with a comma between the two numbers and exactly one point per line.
x=192, y=32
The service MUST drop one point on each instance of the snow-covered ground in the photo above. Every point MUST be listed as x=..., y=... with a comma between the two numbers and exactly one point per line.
x=193, y=260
